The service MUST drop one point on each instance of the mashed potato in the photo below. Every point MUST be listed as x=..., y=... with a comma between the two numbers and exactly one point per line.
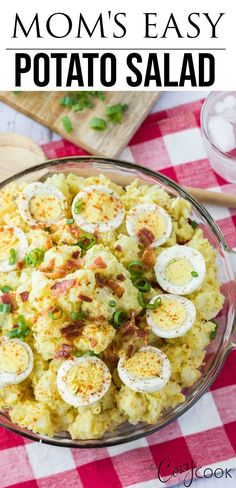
x=67, y=290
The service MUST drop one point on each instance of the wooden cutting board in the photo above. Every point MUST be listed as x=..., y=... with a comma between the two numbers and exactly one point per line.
x=44, y=107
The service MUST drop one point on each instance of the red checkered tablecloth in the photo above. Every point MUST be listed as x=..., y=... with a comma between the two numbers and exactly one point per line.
x=169, y=142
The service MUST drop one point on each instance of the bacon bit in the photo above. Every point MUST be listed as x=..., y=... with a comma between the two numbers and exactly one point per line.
x=142, y=333
x=145, y=237
x=111, y=356
x=75, y=254
x=103, y=281
x=20, y=265
x=93, y=342
x=48, y=244
x=98, y=263
x=24, y=296
x=65, y=352
x=49, y=267
x=9, y=299
x=85, y=298
x=118, y=248
x=73, y=330
x=148, y=258
x=62, y=271
x=62, y=287
x=121, y=277
x=128, y=328
x=130, y=350
x=74, y=230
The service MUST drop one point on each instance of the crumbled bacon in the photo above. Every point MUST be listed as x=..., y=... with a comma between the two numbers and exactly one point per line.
x=49, y=267
x=9, y=299
x=64, y=352
x=93, y=342
x=73, y=330
x=128, y=328
x=118, y=248
x=130, y=350
x=145, y=237
x=98, y=263
x=121, y=277
x=61, y=288
x=103, y=281
x=149, y=258
x=111, y=356
x=24, y=296
x=75, y=254
x=85, y=298
x=63, y=270
x=74, y=230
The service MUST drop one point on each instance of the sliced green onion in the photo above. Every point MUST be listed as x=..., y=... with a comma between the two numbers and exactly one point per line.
x=20, y=332
x=6, y=289
x=67, y=101
x=92, y=353
x=194, y=274
x=86, y=241
x=79, y=353
x=193, y=224
x=12, y=257
x=78, y=315
x=97, y=124
x=78, y=206
x=142, y=284
x=136, y=267
x=56, y=313
x=69, y=221
x=118, y=318
x=112, y=303
x=66, y=122
x=146, y=305
x=115, y=112
x=5, y=308
x=34, y=257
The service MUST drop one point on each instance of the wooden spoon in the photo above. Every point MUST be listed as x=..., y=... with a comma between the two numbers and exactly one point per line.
x=214, y=198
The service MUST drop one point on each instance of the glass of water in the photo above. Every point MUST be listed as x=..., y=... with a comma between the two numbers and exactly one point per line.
x=218, y=124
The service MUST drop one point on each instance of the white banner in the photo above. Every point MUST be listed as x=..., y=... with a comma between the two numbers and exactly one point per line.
x=118, y=45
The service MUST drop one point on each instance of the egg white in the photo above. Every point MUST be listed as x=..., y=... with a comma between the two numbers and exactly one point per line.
x=77, y=400
x=140, y=210
x=146, y=385
x=178, y=252
x=180, y=329
x=98, y=226
x=20, y=250
x=7, y=378
x=32, y=190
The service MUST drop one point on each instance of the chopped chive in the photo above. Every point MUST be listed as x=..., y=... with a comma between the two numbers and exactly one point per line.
x=5, y=308
x=86, y=242
x=79, y=353
x=97, y=124
x=66, y=122
x=67, y=101
x=92, y=353
x=34, y=257
x=78, y=315
x=142, y=284
x=112, y=303
x=6, y=289
x=193, y=223
x=194, y=274
x=20, y=332
x=146, y=305
x=78, y=206
x=12, y=257
x=56, y=313
x=118, y=318
x=136, y=268
x=69, y=221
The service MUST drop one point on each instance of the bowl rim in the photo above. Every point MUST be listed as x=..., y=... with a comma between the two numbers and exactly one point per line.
x=225, y=348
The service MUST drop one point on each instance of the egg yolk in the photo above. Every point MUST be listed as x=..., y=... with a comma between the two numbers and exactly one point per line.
x=143, y=364
x=13, y=358
x=169, y=315
x=8, y=241
x=85, y=379
x=100, y=207
x=45, y=207
x=152, y=221
x=178, y=271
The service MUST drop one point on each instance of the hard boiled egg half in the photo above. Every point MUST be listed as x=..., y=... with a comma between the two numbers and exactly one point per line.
x=173, y=318
x=16, y=361
x=147, y=371
x=180, y=270
x=40, y=204
x=97, y=208
x=83, y=381
x=153, y=219
x=13, y=247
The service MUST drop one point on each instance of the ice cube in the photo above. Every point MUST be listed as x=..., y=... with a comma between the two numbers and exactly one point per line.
x=229, y=101
x=222, y=134
x=230, y=114
x=219, y=107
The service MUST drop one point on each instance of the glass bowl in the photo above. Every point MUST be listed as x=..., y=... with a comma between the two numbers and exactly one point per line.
x=123, y=173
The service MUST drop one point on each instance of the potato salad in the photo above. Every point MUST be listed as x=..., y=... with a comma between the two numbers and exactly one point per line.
x=107, y=295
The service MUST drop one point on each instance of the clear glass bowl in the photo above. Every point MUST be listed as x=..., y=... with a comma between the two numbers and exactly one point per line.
x=124, y=173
